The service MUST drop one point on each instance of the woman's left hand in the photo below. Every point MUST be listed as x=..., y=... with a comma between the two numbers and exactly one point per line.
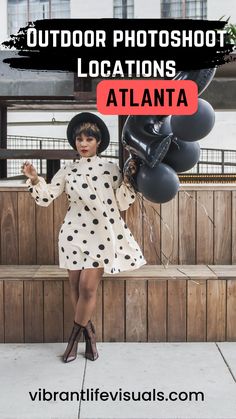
x=131, y=170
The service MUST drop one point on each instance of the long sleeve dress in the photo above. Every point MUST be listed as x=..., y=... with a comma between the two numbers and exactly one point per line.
x=93, y=234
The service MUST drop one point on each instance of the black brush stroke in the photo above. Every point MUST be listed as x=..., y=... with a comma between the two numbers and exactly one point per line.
x=65, y=59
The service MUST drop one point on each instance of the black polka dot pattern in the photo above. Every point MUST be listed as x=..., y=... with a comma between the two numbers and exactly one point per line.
x=95, y=264
x=93, y=188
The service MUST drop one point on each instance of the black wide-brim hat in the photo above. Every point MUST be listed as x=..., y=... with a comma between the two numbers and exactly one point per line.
x=83, y=117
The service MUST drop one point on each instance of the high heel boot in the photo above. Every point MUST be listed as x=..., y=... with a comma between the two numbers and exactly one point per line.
x=70, y=353
x=90, y=339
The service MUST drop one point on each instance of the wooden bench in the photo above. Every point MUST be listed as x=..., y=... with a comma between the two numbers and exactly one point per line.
x=155, y=303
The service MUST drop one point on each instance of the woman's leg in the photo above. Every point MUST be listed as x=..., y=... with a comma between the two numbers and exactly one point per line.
x=88, y=284
x=83, y=286
x=74, y=278
x=71, y=350
x=88, y=291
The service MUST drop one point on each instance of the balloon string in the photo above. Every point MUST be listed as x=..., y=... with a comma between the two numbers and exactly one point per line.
x=189, y=277
x=139, y=196
x=151, y=234
x=200, y=205
x=170, y=233
x=150, y=226
x=143, y=210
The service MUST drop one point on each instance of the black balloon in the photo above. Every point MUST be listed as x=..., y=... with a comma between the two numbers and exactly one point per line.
x=202, y=77
x=152, y=139
x=182, y=155
x=194, y=127
x=165, y=128
x=158, y=184
x=140, y=137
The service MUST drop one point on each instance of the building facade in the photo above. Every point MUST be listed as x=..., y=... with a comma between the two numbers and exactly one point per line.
x=16, y=13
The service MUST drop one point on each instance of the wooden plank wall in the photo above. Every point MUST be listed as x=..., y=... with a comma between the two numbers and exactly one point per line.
x=29, y=232
x=194, y=228
x=127, y=310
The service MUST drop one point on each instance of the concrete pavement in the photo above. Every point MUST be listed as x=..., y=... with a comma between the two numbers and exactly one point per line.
x=125, y=382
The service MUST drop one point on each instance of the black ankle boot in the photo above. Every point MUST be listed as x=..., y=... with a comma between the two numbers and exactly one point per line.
x=90, y=339
x=70, y=353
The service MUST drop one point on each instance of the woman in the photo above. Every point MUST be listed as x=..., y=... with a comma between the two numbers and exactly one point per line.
x=93, y=238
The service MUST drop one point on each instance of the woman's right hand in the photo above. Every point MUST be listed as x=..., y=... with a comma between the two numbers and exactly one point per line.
x=29, y=170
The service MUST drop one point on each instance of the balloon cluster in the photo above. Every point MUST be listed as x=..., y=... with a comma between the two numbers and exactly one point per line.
x=164, y=145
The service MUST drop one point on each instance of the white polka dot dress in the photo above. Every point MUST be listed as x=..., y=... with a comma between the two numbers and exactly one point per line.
x=93, y=233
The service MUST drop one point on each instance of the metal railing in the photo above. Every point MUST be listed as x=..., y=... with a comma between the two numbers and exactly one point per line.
x=215, y=161
x=211, y=160
x=40, y=143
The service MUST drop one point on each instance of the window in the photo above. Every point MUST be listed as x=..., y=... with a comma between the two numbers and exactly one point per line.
x=17, y=15
x=184, y=9
x=196, y=9
x=171, y=9
x=123, y=9
x=20, y=12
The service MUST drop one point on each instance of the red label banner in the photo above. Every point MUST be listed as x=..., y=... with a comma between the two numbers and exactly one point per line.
x=147, y=97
